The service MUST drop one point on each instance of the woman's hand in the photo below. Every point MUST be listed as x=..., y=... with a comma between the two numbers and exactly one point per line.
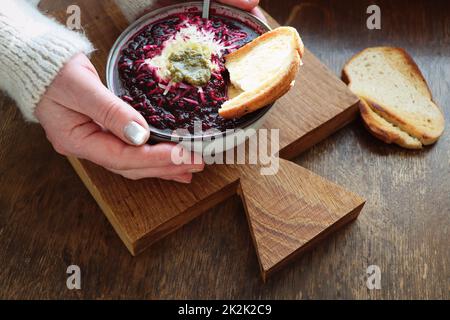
x=248, y=5
x=75, y=113
x=82, y=118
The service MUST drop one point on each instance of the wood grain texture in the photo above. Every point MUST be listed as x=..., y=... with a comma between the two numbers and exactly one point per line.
x=404, y=228
x=145, y=211
x=291, y=211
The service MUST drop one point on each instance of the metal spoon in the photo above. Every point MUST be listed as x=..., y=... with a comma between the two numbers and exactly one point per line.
x=205, y=11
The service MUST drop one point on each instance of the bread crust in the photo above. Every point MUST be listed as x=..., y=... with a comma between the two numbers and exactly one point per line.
x=384, y=133
x=245, y=102
x=273, y=33
x=384, y=112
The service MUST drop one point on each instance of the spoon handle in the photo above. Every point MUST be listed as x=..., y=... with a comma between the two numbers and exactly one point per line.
x=205, y=11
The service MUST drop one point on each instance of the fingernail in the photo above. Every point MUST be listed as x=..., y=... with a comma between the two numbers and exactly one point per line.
x=182, y=180
x=135, y=133
x=195, y=170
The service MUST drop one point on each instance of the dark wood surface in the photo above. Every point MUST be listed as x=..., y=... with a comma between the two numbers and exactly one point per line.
x=404, y=228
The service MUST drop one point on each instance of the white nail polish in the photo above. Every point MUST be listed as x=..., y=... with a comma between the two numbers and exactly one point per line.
x=135, y=133
x=182, y=181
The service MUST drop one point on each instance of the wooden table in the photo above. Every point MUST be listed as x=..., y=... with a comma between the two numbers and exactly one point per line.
x=48, y=220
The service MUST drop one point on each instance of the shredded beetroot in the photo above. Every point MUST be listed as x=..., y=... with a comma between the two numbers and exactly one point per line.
x=168, y=105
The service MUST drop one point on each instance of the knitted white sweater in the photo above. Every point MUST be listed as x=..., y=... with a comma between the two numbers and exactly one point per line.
x=33, y=48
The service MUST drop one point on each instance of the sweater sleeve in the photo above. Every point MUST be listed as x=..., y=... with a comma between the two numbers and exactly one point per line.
x=33, y=49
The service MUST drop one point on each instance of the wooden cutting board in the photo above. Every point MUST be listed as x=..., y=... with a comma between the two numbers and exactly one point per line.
x=287, y=213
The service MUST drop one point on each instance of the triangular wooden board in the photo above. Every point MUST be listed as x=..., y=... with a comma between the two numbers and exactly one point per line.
x=291, y=211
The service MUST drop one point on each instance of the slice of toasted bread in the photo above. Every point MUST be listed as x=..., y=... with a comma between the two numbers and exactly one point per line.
x=384, y=130
x=398, y=103
x=262, y=71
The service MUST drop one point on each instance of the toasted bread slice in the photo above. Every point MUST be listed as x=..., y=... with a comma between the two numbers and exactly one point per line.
x=262, y=71
x=394, y=89
x=384, y=130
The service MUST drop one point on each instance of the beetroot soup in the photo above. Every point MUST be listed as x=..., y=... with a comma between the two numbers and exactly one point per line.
x=173, y=72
